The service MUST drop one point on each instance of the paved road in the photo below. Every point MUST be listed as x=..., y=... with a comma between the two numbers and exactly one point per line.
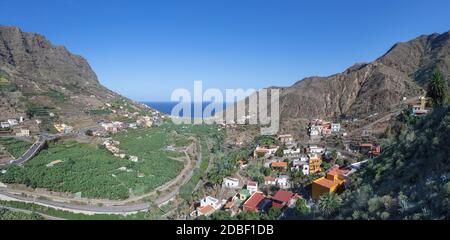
x=10, y=195
x=31, y=151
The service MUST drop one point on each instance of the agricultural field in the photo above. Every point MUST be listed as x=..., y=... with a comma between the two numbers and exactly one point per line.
x=14, y=146
x=94, y=172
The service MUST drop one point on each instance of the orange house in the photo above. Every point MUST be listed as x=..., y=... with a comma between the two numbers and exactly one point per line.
x=334, y=181
x=279, y=166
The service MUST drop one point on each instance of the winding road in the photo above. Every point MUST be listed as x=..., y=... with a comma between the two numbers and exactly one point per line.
x=114, y=207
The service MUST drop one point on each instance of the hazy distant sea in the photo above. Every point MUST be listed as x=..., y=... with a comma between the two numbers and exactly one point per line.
x=166, y=107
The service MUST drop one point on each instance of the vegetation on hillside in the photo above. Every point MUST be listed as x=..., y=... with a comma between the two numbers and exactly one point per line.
x=411, y=179
x=6, y=214
x=15, y=146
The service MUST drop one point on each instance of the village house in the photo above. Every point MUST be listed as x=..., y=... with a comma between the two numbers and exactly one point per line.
x=229, y=182
x=208, y=200
x=283, y=199
x=279, y=166
x=283, y=182
x=326, y=128
x=257, y=203
x=315, y=131
x=334, y=181
x=291, y=152
x=63, y=128
x=335, y=127
x=369, y=149
x=133, y=158
x=299, y=165
x=315, y=149
x=270, y=181
x=252, y=187
x=236, y=201
x=23, y=133
x=4, y=125
x=13, y=122
x=286, y=139
x=264, y=151
x=420, y=108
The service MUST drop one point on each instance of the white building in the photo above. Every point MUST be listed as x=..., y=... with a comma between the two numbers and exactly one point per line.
x=315, y=149
x=229, y=182
x=283, y=182
x=215, y=203
x=335, y=127
x=13, y=122
x=23, y=133
x=4, y=125
x=252, y=187
x=291, y=152
x=286, y=139
x=315, y=131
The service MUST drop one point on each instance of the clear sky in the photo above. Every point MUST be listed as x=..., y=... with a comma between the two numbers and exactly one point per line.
x=146, y=49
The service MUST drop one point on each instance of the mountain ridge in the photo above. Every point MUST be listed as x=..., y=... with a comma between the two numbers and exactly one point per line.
x=35, y=74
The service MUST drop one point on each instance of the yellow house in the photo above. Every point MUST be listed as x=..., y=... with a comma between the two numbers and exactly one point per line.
x=334, y=181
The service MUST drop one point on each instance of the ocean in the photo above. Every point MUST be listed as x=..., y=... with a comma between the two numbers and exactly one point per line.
x=166, y=107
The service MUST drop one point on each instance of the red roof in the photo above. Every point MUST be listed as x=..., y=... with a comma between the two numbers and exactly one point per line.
x=254, y=200
x=283, y=196
x=279, y=164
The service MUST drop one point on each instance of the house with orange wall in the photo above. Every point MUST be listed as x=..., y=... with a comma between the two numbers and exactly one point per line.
x=334, y=181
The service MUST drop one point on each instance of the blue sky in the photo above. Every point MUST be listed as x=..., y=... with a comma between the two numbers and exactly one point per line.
x=146, y=49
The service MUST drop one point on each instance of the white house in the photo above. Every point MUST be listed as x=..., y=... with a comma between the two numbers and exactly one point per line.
x=291, y=152
x=269, y=180
x=315, y=131
x=13, y=122
x=229, y=182
x=215, y=203
x=286, y=138
x=252, y=187
x=4, y=125
x=335, y=127
x=315, y=149
x=283, y=182
x=305, y=169
x=23, y=133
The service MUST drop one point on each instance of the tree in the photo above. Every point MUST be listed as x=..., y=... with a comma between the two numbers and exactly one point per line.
x=329, y=204
x=301, y=209
x=279, y=152
x=438, y=90
x=89, y=132
x=272, y=214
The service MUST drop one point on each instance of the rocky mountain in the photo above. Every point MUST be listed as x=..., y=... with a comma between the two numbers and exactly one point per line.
x=40, y=79
x=370, y=87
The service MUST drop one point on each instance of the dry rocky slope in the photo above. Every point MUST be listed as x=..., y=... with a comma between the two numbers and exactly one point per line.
x=370, y=87
x=35, y=73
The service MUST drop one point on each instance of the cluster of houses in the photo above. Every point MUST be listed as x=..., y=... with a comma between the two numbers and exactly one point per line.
x=111, y=146
x=318, y=128
x=308, y=162
x=16, y=125
x=247, y=199
x=113, y=127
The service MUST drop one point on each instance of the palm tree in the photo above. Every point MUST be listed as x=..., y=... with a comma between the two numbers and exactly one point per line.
x=438, y=90
x=329, y=204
